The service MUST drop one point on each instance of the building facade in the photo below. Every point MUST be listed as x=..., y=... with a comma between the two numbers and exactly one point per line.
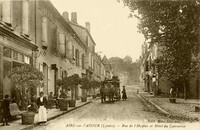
x=35, y=33
x=60, y=49
x=17, y=39
x=108, y=68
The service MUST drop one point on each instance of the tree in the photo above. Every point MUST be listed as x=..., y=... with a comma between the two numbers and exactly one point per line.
x=128, y=59
x=26, y=78
x=85, y=85
x=127, y=67
x=71, y=83
x=174, y=25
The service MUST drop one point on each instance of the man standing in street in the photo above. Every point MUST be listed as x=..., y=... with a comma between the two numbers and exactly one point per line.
x=5, y=110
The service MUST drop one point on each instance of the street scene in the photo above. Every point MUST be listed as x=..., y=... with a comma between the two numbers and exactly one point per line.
x=133, y=110
x=99, y=64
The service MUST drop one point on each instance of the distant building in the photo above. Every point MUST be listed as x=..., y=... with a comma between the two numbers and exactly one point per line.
x=108, y=68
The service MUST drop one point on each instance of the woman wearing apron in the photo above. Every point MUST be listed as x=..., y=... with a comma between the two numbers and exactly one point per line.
x=42, y=105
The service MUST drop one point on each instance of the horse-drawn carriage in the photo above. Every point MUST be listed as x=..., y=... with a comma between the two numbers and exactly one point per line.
x=110, y=90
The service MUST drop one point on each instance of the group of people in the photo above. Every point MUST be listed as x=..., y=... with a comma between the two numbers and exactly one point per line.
x=41, y=104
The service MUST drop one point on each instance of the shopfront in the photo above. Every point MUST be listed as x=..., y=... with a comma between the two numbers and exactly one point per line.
x=12, y=54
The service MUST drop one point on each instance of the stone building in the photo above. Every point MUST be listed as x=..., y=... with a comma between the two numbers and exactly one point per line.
x=61, y=52
x=97, y=67
x=17, y=38
x=34, y=32
x=108, y=68
x=86, y=38
x=152, y=80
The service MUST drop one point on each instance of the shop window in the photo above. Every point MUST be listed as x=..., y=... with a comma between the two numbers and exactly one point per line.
x=15, y=55
x=27, y=60
x=7, y=52
x=6, y=67
x=21, y=57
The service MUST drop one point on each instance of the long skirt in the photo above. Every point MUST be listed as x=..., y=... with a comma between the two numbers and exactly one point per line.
x=124, y=96
x=42, y=114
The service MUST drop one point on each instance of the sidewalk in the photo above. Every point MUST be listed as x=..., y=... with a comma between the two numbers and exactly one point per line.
x=51, y=114
x=182, y=109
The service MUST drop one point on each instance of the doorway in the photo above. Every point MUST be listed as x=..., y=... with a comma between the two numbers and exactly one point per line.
x=45, y=72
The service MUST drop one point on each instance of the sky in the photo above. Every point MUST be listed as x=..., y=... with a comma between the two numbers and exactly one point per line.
x=114, y=33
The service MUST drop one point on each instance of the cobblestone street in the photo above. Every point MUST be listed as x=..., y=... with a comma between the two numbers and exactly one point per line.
x=131, y=111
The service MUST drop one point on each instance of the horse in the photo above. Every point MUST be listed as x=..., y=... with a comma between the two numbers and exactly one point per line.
x=107, y=91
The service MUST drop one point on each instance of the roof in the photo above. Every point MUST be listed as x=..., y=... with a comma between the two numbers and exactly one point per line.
x=71, y=23
x=64, y=23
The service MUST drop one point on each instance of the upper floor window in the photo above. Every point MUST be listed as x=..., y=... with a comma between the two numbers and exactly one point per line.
x=87, y=42
x=83, y=61
x=62, y=43
x=77, y=57
x=73, y=52
x=25, y=12
x=44, y=31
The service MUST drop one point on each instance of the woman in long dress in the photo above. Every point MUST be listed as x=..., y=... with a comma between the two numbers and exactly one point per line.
x=124, y=96
x=42, y=105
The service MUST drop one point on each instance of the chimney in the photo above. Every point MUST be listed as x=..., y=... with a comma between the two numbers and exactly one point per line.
x=87, y=26
x=74, y=17
x=65, y=15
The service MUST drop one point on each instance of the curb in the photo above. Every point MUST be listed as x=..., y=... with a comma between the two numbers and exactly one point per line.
x=56, y=116
x=165, y=113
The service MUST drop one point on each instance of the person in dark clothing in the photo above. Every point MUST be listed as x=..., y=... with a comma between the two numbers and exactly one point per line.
x=124, y=96
x=5, y=110
x=102, y=93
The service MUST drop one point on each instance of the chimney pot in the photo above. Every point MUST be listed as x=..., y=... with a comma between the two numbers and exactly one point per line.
x=74, y=17
x=87, y=26
x=65, y=15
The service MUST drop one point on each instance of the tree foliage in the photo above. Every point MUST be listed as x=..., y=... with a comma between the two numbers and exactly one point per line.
x=127, y=67
x=95, y=84
x=71, y=82
x=85, y=83
x=174, y=26
x=26, y=76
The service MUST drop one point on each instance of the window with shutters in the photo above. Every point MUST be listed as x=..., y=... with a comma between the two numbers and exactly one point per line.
x=55, y=40
x=87, y=41
x=6, y=11
x=73, y=52
x=44, y=31
x=62, y=44
x=83, y=61
x=25, y=12
x=77, y=57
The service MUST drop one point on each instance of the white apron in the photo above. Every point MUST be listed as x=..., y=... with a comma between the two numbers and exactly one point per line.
x=42, y=114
